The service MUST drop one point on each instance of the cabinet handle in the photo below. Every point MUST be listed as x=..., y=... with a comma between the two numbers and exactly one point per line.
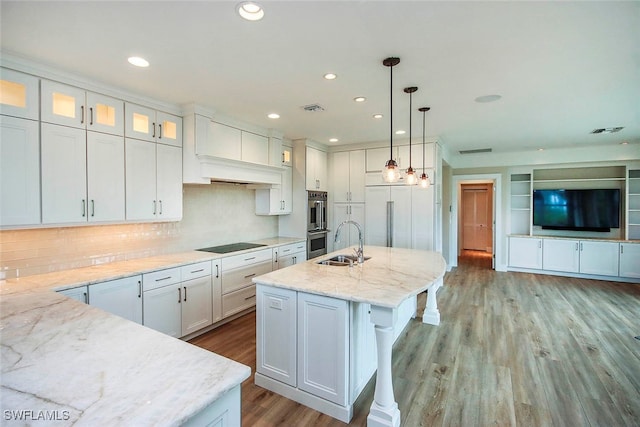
x=217, y=271
x=160, y=207
x=90, y=116
x=159, y=130
x=179, y=295
x=82, y=114
x=84, y=208
x=154, y=129
x=93, y=207
x=295, y=259
x=86, y=297
x=164, y=278
x=581, y=247
x=576, y=246
x=249, y=275
x=185, y=294
x=539, y=243
x=197, y=271
x=154, y=207
x=286, y=250
x=283, y=157
x=139, y=288
x=249, y=297
x=249, y=259
x=276, y=254
x=621, y=249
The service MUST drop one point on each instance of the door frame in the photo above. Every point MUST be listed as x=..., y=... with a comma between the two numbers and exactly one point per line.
x=498, y=233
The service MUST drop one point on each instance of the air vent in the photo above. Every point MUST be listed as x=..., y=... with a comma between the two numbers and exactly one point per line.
x=476, y=151
x=313, y=108
x=608, y=130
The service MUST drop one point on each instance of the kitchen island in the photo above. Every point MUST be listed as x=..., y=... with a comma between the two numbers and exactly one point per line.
x=313, y=323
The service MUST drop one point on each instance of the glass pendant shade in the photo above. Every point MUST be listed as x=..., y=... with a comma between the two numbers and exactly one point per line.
x=391, y=172
x=424, y=178
x=424, y=181
x=411, y=178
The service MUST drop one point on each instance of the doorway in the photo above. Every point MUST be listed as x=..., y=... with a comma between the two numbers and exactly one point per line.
x=476, y=229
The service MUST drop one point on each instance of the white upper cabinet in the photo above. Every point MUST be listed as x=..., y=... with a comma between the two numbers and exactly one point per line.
x=316, y=170
x=348, y=176
x=19, y=171
x=169, y=182
x=275, y=152
x=82, y=176
x=287, y=155
x=74, y=107
x=150, y=125
x=223, y=141
x=18, y=94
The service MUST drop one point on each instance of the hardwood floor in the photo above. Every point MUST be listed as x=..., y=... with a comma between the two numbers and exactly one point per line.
x=511, y=349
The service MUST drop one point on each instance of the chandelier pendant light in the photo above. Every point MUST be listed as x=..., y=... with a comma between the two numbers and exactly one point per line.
x=424, y=178
x=391, y=172
x=411, y=178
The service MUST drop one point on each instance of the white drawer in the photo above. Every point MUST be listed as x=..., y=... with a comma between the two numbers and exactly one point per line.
x=292, y=248
x=239, y=300
x=160, y=278
x=241, y=277
x=193, y=271
x=236, y=261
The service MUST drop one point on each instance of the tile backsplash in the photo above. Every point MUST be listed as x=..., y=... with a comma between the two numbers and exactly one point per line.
x=212, y=215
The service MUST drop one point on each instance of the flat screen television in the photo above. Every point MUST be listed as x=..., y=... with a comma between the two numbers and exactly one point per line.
x=584, y=210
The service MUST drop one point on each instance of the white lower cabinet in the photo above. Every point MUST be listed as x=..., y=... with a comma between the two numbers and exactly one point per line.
x=561, y=255
x=122, y=297
x=178, y=301
x=238, y=290
x=323, y=347
x=630, y=260
x=224, y=412
x=599, y=258
x=525, y=252
x=287, y=255
x=81, y=293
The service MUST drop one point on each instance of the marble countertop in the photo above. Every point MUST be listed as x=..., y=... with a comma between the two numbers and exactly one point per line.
x=90, y=367
x=388, y=278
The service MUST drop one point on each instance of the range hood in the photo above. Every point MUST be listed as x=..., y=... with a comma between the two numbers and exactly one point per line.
x=218, y=169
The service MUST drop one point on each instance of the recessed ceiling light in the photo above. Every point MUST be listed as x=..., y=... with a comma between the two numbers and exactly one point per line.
x=330, y=76
x=273, y=115
x=400, y=132
x=360, y=99
x=540, y=149
x=377, y=116
x=333, y=140
x=138, y=61
x=488, y=98
x=250, y=11
x=624, y=143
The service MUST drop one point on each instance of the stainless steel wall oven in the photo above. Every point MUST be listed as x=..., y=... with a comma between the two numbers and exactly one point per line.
x=316, y=224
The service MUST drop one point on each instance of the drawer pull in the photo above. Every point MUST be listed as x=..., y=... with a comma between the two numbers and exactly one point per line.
x=249, y=297
x=197, y=271
x=164, y=278
x=249, y=275
x=179, y=295
x=185, y=294
x=286, y=250
x=249, y=259
x=217, y=271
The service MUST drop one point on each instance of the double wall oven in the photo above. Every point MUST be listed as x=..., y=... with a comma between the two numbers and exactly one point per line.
x=316, y=224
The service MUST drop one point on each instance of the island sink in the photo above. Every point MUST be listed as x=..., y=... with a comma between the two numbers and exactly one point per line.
x=341, y=260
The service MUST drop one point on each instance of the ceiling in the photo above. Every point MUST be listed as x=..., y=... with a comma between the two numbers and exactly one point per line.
x=562, y=68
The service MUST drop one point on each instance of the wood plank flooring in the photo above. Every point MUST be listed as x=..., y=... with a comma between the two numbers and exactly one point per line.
x=511, y=349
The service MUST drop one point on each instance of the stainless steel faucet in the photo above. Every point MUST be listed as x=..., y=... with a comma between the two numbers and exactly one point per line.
x=360, y=251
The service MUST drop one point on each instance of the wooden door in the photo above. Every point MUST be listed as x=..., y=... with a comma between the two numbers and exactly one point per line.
x=476, y=219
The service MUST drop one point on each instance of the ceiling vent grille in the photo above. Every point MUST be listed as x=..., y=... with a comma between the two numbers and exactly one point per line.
x=476, y=151
x=313, y=108
x=607, y=130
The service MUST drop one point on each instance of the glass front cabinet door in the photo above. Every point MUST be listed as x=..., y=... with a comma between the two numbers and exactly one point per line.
x=18, y=94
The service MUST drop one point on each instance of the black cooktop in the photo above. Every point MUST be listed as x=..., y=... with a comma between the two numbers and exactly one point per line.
x=233, y=247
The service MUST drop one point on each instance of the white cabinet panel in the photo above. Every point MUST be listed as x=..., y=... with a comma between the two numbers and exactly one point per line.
x=630, y=260
x=348, y=176
x=141, y=201
x=105, y=177
x=255, y=148
x=169, y=129
x=104, y=114
x=349, y=235
x=401, y=217
x=122, y=297
x=525, y=252
x=276, y=333
x=377, y=158
x=323, y=340
x=388, y=216
x=64, y=174
x=19, y=171
x=162, y=310
x=19, y=94
x=561, y=255
x=599, y=258
x=139, y=122
x=79, y=294
x=223, y=141
x=197, y=311
x=216, y=296
x=316, y=170
x=236, y=301
x=423, y=219
x=62, y=104
x=169, y=182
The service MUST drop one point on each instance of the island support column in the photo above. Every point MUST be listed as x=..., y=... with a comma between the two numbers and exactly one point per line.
x=431, y=313
x=384, y=410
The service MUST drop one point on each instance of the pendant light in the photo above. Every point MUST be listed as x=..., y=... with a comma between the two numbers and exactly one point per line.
x=424, y=178
x=411, y=178
x=391, y=172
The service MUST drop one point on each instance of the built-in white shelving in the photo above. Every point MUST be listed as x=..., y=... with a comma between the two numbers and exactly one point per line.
x=633, y=205
x=521, y=203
